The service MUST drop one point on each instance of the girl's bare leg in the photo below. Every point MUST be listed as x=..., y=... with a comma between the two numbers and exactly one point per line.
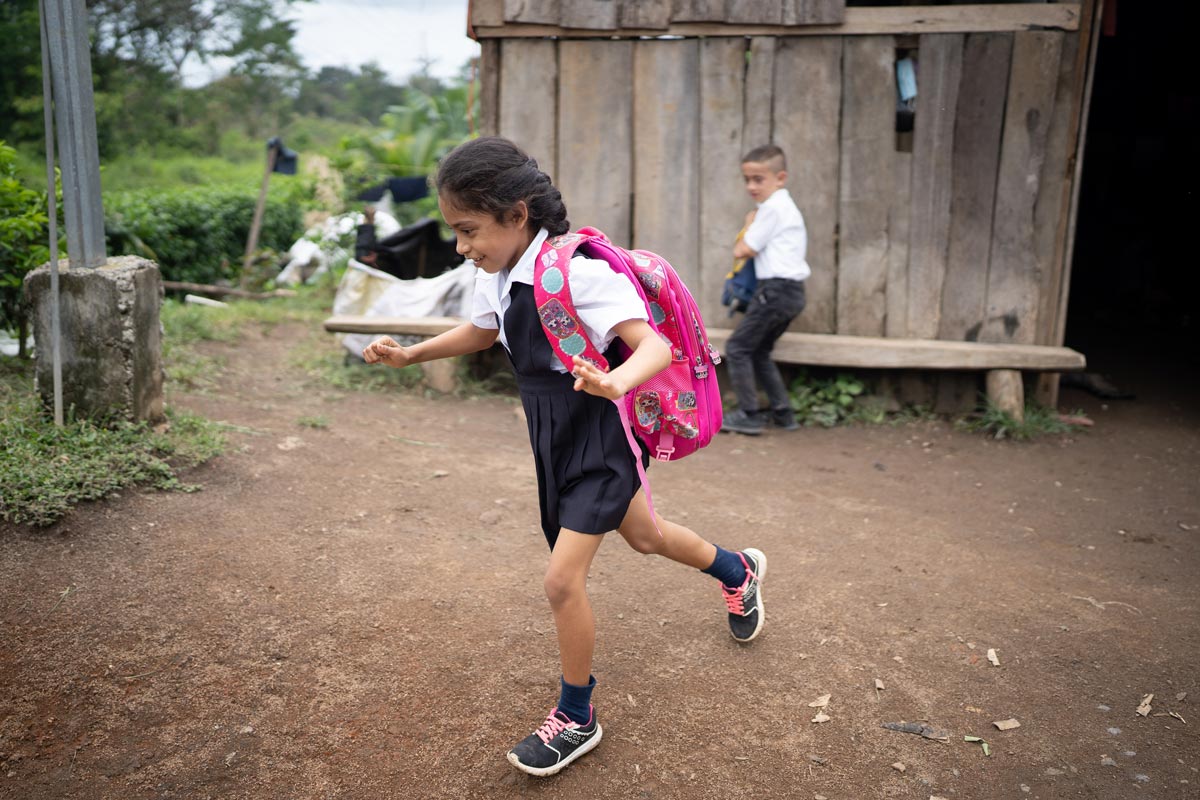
x=676, y=543
x=566, y=588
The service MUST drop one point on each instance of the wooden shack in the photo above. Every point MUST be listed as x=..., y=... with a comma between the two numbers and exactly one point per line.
x=957, y=230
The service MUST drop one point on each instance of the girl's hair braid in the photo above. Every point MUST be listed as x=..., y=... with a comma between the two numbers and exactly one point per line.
x=491, y=175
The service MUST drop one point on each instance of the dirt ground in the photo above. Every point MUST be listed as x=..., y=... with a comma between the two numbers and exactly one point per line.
x=356, y=611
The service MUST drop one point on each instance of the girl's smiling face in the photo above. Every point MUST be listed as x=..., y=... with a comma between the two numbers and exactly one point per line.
x=493, y=245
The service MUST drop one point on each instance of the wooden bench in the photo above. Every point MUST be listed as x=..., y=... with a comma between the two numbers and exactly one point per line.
x=1003, y=363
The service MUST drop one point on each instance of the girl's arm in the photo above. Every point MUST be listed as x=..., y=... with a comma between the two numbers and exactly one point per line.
x=466, y=338
x=650, y=356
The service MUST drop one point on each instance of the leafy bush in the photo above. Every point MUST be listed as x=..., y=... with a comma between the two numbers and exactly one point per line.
x=24, y=236
x=825, y=401
x=198, y=235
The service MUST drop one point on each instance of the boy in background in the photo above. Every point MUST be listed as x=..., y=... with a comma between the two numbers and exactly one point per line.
x=777, y=241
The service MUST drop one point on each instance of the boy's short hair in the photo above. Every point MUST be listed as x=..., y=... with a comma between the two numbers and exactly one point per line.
x=767, y=154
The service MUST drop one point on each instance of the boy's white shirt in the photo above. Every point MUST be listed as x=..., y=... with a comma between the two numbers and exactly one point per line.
x=603, y=298
x=780, y=239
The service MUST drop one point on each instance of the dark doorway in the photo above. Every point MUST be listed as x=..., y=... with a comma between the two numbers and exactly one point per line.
x=1136, y=273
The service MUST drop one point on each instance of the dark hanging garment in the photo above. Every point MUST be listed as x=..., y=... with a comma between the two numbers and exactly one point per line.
x=417, y=251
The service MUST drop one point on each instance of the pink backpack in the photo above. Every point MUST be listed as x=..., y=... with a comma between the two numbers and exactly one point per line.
x=676, y=412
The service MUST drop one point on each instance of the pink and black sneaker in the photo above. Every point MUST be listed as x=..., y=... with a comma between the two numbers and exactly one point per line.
x=554, y=745
x=745, y=603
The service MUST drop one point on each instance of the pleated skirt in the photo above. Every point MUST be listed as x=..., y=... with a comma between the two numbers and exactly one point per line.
x=586, y=473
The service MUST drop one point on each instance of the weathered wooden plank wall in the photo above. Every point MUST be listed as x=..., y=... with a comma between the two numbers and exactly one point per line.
x=938, y=73
x=868, y=137
x=807, y=109
x=1013, y=279
x=666, y=152
x=595, y=135
x=606, y=14
x=960, y=239
x=723, y=202
x=528, y=98
x=986, y=58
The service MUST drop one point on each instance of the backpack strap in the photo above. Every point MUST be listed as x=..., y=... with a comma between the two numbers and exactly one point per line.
x=555, y=306
x=565, y=332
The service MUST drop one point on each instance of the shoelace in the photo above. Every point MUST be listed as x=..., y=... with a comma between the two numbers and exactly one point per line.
x=553, y=726
x=734, y=598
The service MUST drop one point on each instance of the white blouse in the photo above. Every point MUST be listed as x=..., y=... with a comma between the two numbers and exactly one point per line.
x=603, y=298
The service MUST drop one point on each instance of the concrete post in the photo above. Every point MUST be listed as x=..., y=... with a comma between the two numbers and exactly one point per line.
x=111, y=338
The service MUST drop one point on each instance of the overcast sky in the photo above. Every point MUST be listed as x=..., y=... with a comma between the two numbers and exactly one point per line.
x=396, y=34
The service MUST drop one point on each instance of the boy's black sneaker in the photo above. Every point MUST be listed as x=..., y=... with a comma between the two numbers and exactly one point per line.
x=741, y=422
x=784, y=418
x=554, y=745
x=745, y=603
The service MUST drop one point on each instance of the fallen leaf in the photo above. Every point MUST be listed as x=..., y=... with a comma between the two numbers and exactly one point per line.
x=1181, y=697
x=1007, y=724
x=919, y=728
x=1181, y=719
x=440, y=473
x=878, y=685
x=632, y=702
x=974, y=710
x=1144, y=708
x=899, y=766
x=820, y=702
x=821, y=717
x=987, y=751
x=1186, y=527
x=992, y=657
x=972, y=739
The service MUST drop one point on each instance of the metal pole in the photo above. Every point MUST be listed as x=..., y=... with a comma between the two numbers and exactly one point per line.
x=52, y=206
x=66, y=30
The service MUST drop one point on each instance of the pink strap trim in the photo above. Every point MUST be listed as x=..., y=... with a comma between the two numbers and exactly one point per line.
x=637, y=459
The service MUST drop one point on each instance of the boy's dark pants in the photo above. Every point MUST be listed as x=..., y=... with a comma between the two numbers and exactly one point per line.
x=777, y=301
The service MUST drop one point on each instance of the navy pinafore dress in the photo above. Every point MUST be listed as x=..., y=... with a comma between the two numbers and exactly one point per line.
x=586, y=473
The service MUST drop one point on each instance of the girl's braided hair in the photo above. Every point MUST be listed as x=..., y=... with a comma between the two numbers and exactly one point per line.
x=491, y=175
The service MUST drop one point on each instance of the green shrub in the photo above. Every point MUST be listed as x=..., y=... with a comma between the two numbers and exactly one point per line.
x=198, y=235
x=24, y=236
x=825, y=401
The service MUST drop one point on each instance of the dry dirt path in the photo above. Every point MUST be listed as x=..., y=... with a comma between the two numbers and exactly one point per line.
x=356, y=612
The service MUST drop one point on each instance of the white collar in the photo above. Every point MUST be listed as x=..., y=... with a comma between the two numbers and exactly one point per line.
x=522, y=271
x=781, y=191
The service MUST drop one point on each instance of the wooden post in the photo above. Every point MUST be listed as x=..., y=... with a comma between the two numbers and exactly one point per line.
x=252, y=240
x=1006, y=392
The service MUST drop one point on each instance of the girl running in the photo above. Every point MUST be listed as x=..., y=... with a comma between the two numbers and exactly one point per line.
x=502, y=208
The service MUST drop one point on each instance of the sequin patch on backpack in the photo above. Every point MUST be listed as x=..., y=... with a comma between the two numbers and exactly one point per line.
x=557, y=320
x=552, y=279
x=686, y=401
x=648, y=410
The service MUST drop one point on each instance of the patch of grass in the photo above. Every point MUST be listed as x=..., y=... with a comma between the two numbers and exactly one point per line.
x=45, y=470
x=318, y=421
x=1039, y=421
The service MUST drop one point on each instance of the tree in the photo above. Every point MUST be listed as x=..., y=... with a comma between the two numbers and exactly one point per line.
x=20, y=69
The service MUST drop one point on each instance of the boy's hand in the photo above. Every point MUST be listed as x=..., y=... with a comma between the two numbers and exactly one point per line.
x=385, y=350
x=750, y=216
x=593, y=381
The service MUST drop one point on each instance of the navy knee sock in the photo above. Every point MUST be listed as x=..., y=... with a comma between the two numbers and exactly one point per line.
x=728, y=568
x=575, y=702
